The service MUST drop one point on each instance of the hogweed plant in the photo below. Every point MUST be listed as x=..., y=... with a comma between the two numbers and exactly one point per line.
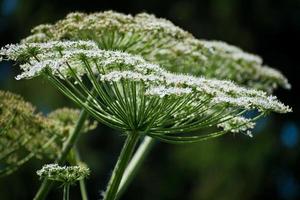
x=149, y=79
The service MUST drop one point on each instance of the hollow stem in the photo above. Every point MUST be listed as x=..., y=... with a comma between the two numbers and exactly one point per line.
x=66, y=192
x=135, y=163
x=46, y=185
x=124, y=158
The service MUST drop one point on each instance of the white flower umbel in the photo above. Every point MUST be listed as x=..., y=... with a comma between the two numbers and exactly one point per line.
x=238, y=124
x=36, y=67
x=234, y=52
x=63, y=174
x=160, y=41
x=162, y=91
x=67, y=175
x=133, y=94
x=219, y=60
x=20, y=51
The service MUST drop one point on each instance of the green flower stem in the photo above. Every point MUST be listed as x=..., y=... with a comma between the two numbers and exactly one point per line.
x=74, y=159
x=43, y=190
x=66, y=192
x=123, y=160
x=73, y=137
x=135, y=163
x=46, y=185
x=83, y=191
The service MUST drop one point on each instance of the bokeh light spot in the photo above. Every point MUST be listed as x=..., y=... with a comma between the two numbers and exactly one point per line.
x=5, y=71
x=8, y=7
x=289, y=135
x=288, y=187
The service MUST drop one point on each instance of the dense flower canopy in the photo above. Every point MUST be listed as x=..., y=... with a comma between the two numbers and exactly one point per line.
x=135, y=74
x=160, y=41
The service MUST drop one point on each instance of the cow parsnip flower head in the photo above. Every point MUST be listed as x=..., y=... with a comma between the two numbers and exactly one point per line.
x=65, y=174
x=25, y=134
x=133, y=94
x=160, y=41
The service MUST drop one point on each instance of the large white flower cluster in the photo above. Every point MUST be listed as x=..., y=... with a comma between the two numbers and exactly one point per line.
x=131, y=93
x=160, y=41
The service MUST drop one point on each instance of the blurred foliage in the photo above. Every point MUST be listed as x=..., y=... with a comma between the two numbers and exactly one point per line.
x=265, y=167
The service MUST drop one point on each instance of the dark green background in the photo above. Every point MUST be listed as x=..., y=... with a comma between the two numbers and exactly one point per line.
x=230, y=168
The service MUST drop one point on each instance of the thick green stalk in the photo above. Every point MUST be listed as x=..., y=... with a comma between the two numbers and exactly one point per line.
x=46, y=185
x=135, y=163
x=66, y=192
x=123, y=160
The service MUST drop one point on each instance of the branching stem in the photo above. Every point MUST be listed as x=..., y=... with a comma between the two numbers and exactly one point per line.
x=135, y=163
x=121, y=165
